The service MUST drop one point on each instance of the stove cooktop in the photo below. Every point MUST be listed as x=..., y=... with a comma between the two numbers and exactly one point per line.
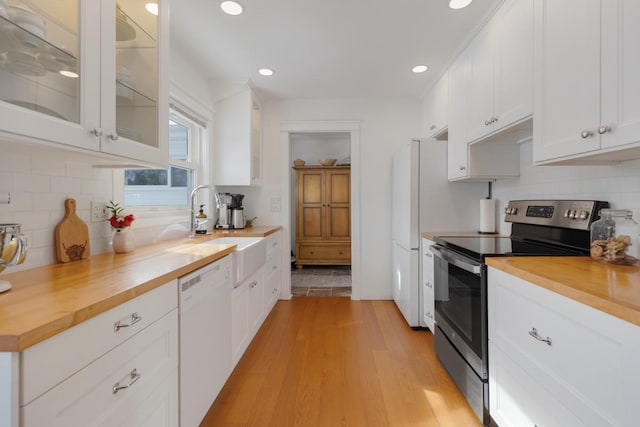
x=482, y=246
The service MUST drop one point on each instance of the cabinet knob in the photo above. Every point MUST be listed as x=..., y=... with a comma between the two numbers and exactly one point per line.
x=432, y=127
x=494, y=119
x=487, y=122
x=96, y=132
x=113, y=136
x=340, y=253
x=586, y=134
x=603, y=129
x=463, y=168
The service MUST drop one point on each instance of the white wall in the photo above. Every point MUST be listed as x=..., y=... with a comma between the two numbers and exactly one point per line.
x=618, y=184
x=385, y=124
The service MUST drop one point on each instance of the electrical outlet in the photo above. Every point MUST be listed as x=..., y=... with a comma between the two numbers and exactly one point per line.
x=99, y=212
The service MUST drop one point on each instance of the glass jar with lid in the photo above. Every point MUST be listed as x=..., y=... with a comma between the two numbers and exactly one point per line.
x=614, y=237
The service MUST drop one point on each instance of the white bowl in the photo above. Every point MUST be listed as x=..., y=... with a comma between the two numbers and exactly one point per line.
x=23, y=16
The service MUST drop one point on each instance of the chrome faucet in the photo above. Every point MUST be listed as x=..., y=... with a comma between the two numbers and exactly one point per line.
x=192, y=224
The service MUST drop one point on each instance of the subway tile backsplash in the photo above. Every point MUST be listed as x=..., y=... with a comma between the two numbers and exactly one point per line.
x=39, y=183
x=618, y=184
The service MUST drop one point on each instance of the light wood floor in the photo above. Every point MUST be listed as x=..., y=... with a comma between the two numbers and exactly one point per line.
x=336, y=362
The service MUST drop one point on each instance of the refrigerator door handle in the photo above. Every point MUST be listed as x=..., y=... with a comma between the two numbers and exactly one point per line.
x=453, y=259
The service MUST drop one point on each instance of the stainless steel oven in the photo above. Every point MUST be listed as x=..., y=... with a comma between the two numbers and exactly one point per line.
x=538, y=227
x=461, y=324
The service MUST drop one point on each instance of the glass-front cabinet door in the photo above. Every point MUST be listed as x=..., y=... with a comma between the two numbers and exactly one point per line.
x=49, y=70
x=135, y=96
x=86, y=73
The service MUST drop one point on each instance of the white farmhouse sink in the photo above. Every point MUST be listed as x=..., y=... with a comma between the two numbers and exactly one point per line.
x=249, y=256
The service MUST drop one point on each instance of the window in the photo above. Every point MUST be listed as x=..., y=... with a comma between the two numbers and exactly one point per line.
x=171, y=186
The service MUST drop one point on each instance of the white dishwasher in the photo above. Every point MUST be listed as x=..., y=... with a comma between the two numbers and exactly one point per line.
x=205, y=338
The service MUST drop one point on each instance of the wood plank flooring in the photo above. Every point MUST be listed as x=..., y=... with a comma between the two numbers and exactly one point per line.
x=336, y=362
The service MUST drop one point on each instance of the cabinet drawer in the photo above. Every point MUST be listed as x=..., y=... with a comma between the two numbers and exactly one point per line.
x=319, y=252
x=273, y=243
x=516, y=399
x=89, y=397
x=48, y=363
x=587, y=365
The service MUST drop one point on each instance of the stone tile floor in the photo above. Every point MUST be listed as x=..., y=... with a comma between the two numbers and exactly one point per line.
x=329, y=280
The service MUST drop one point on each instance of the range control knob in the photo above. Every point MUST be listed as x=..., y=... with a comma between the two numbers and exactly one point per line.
x=566, y=213
x=514, y=211
x=573, y=214
x=583, y=215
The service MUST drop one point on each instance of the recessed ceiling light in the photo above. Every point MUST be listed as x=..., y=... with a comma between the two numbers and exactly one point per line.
x=231, y=7
x=459, y=4
x=419, y=69
x=69, y=74
x=152, y=8
x=265, y=72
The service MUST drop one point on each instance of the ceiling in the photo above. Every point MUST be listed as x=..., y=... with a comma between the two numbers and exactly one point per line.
x=326, y=48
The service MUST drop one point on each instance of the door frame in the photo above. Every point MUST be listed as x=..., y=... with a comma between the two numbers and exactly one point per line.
x=294, y=127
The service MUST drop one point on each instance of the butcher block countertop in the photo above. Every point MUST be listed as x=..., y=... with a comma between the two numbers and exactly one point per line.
x=614, y=289
x=47, y=300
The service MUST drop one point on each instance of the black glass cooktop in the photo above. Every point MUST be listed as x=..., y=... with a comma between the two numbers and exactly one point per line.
x=483, y=246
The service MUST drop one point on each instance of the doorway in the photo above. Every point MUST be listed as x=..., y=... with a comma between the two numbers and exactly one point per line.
x=326, y=223
x=321, y=278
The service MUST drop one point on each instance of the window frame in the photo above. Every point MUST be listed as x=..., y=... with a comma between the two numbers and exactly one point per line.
x=198, y=160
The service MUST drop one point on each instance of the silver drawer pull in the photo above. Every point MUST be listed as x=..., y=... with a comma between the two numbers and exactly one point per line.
x=134, y=376
x=135, y=318
x=534, y=333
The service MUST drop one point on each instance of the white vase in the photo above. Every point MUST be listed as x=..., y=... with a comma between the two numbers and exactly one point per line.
x=123, y=240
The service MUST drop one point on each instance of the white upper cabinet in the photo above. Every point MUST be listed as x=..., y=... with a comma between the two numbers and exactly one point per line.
x=587, y=81
x=135, y=93
x=479, y=161
x=500, y=86
x=457, y=160
x=58, y=82
x=435, y=108
x=237, y=153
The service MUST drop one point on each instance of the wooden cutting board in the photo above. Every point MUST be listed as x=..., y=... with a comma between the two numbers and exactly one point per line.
x=71, y=235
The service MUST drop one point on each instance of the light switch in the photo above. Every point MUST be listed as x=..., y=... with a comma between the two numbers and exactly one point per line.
x=275, y=204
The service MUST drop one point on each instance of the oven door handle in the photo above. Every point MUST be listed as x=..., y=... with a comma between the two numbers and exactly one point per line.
x=453, y=259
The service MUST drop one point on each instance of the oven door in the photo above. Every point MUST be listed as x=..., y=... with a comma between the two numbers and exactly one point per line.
x=461, y=305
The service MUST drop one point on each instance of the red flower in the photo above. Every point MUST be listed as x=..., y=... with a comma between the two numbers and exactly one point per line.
x=117, y=220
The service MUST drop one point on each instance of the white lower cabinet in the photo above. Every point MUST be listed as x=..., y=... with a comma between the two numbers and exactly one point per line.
x=428, y=296
x=557, y=362
x=135, y=383
x=273, y=271
x=247, y=309
x=256, y=302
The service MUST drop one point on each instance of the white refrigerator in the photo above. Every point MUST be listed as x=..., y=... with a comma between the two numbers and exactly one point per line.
x=423, y=199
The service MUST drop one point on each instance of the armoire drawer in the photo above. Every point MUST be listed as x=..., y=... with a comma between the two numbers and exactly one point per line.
x=319, y=252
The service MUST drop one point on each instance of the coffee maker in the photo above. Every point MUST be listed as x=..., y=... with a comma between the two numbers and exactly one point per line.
x=237, y=211
x=224, y=211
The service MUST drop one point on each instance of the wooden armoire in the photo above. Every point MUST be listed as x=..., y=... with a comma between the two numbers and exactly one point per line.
x=323, y=215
